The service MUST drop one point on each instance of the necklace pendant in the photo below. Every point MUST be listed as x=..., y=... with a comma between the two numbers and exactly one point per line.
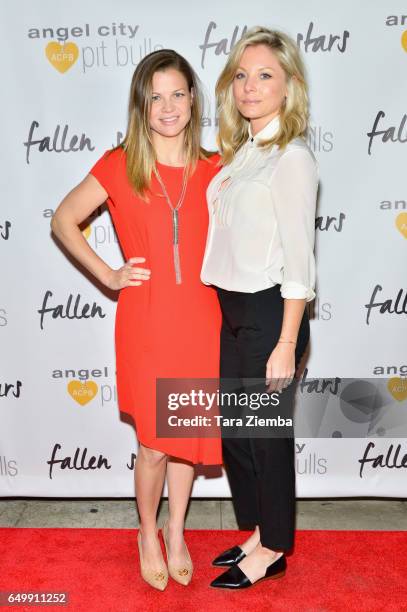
x=175, y=222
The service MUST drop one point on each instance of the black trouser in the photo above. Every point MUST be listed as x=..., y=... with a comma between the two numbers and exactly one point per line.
x=261, y=471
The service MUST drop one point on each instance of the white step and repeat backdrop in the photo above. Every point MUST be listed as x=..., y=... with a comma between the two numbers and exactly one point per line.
x=66, y=71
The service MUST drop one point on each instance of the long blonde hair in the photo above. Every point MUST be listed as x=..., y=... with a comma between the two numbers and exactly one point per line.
x=140, y=153
x=233, y=127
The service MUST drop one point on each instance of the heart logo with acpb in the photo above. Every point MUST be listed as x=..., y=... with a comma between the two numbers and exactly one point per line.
x=82, y=392
x=398, y=388
x=401, y=223
x=62, y=56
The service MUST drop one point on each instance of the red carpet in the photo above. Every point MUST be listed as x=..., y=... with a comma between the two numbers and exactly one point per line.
x=330, y=571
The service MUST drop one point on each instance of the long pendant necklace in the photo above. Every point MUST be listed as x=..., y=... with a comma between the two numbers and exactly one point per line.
x=175, y=220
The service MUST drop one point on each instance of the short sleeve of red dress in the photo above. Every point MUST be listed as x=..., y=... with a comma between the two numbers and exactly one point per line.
x=106, y=171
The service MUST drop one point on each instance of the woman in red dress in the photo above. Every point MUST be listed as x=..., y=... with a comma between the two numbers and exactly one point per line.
x=167, y=320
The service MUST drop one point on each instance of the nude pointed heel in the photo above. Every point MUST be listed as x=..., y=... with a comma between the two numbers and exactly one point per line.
x=155, y=578
x=182, y=575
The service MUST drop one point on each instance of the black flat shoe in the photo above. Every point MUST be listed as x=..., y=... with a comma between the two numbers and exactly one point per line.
x=234, y=578
x=229, y=557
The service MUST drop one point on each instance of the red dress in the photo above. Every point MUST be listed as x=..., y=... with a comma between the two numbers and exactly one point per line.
x=163, y=330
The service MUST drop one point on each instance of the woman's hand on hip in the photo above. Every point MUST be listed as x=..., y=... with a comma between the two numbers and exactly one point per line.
x=280, y=367
x=128, y=275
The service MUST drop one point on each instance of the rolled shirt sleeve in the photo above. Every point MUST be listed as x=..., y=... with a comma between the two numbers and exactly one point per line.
x=294, y=186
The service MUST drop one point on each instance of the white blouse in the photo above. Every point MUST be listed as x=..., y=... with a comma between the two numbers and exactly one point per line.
x=262, y=219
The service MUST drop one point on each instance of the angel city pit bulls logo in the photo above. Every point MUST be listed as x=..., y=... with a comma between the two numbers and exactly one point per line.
x=82, y=392
x=62, y=55
x=97, y=46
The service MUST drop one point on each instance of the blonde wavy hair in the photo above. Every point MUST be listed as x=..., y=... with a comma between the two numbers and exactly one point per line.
x=138, y=144
x=233, y=127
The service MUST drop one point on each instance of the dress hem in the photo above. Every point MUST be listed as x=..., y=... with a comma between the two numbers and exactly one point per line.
x=177, y=456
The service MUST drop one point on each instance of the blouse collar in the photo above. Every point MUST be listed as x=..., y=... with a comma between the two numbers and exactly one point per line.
x=267, y=132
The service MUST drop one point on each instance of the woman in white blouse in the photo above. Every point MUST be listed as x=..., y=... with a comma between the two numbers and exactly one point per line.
x=260, y=258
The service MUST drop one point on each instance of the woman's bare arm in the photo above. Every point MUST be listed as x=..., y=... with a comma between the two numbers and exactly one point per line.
x=76, y=206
